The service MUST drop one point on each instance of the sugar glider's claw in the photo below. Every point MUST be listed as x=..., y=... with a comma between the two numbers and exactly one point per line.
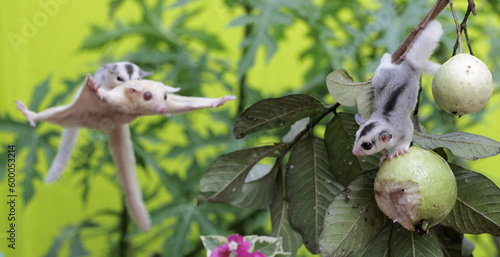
x=22, y=107
x=383, y=159
x=398, y=152
x=223, y=100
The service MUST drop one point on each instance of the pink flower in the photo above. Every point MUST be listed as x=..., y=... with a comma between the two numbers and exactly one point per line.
x=236, y=245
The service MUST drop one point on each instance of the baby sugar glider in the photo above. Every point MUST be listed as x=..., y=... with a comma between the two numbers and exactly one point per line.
x=108, y=76
x=396, y=89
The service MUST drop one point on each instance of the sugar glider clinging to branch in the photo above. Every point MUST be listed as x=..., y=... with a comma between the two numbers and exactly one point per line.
x=396, y=89
x=108, y=76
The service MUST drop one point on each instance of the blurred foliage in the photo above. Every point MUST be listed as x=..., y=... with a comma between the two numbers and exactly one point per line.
x=339, y=34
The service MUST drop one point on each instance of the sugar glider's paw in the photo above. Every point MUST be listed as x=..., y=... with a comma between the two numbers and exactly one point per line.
x=398, y=151
x=93, y=87
x=27, y=113
x=223, y=100
x=385, y=156
x=383, y=159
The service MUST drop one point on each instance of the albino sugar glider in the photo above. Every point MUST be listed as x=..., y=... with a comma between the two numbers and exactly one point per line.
x=108, y=76
x=112, y=110
x=396, y=89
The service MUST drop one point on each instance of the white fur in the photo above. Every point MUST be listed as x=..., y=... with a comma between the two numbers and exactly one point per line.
x=395, y=96
x=108, y=77
x=112, y=110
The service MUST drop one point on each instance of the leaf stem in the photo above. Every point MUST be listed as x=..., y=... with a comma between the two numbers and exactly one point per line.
x=471, y=8
x=459, y=31
x=243, y=79
x=123, y=244
x=309, y=127
x=400, y=54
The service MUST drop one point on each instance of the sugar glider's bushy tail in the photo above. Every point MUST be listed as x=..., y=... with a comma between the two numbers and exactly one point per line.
x=422, y=48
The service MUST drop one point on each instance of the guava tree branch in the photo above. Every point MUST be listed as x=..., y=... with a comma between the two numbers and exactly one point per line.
x=400, y=54
x=463, y=27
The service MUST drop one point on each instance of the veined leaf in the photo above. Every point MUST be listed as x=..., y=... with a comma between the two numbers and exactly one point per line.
x=259, y=188
x=226, y=175
x=348, y=92
x=477, y=209
x=270, y=18
x=463, y=145
x=407, y=243
x=379, y=246
x=211, y=242
x=242, y=20
x=280, y=220
x=453, y=243
x=100, y=37
x=275, y=113
x=39, y=94
x=269, y=246
x=310, y=187
x=339, y=139
x=353, y=219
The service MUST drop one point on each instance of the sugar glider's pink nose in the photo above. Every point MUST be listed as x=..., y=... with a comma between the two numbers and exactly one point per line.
x=161, y=109
x=356, y=153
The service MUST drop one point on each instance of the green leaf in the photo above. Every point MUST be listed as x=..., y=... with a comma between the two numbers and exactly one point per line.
x=477, y=209
x=258, y=192
x=453, y=243
x=39, y=94
x=463, y=145
x=379, y=246
x=339, y=138
x=353, y=219
x=71, y=85
x=29, y=170
x=181, y=3
x=100, y=37
x=348, y=92
x=267, y=29
x=211, y=242
x=280, y=220
x=242, y=20
x=56, y=245
x=113, y=5
x=269, y=246
x=310, y=187
x=276, y=113
x=407, y=243
x=76, y=247
x=225, y=177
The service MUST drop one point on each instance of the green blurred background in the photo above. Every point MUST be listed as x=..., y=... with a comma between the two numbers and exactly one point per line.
x=252, y=49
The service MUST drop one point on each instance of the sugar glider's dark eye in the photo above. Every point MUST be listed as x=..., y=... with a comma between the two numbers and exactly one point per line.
x=367, y=145
x=147, y=95
x=119, y=78
x=165, y=97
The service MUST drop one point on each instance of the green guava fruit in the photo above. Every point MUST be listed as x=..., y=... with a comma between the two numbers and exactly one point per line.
x=417, y=189
x=462, y=85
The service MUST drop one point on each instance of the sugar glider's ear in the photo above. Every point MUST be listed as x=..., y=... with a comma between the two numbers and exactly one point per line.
x=111, y=68
x=132, y=88
x=359, y=119
x=170, y=89
x=385, y=136
x=143, y=74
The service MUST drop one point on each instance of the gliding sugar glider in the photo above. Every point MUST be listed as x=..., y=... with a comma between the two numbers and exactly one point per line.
x=396, y=89
x=111, y=111
x=108, y=76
